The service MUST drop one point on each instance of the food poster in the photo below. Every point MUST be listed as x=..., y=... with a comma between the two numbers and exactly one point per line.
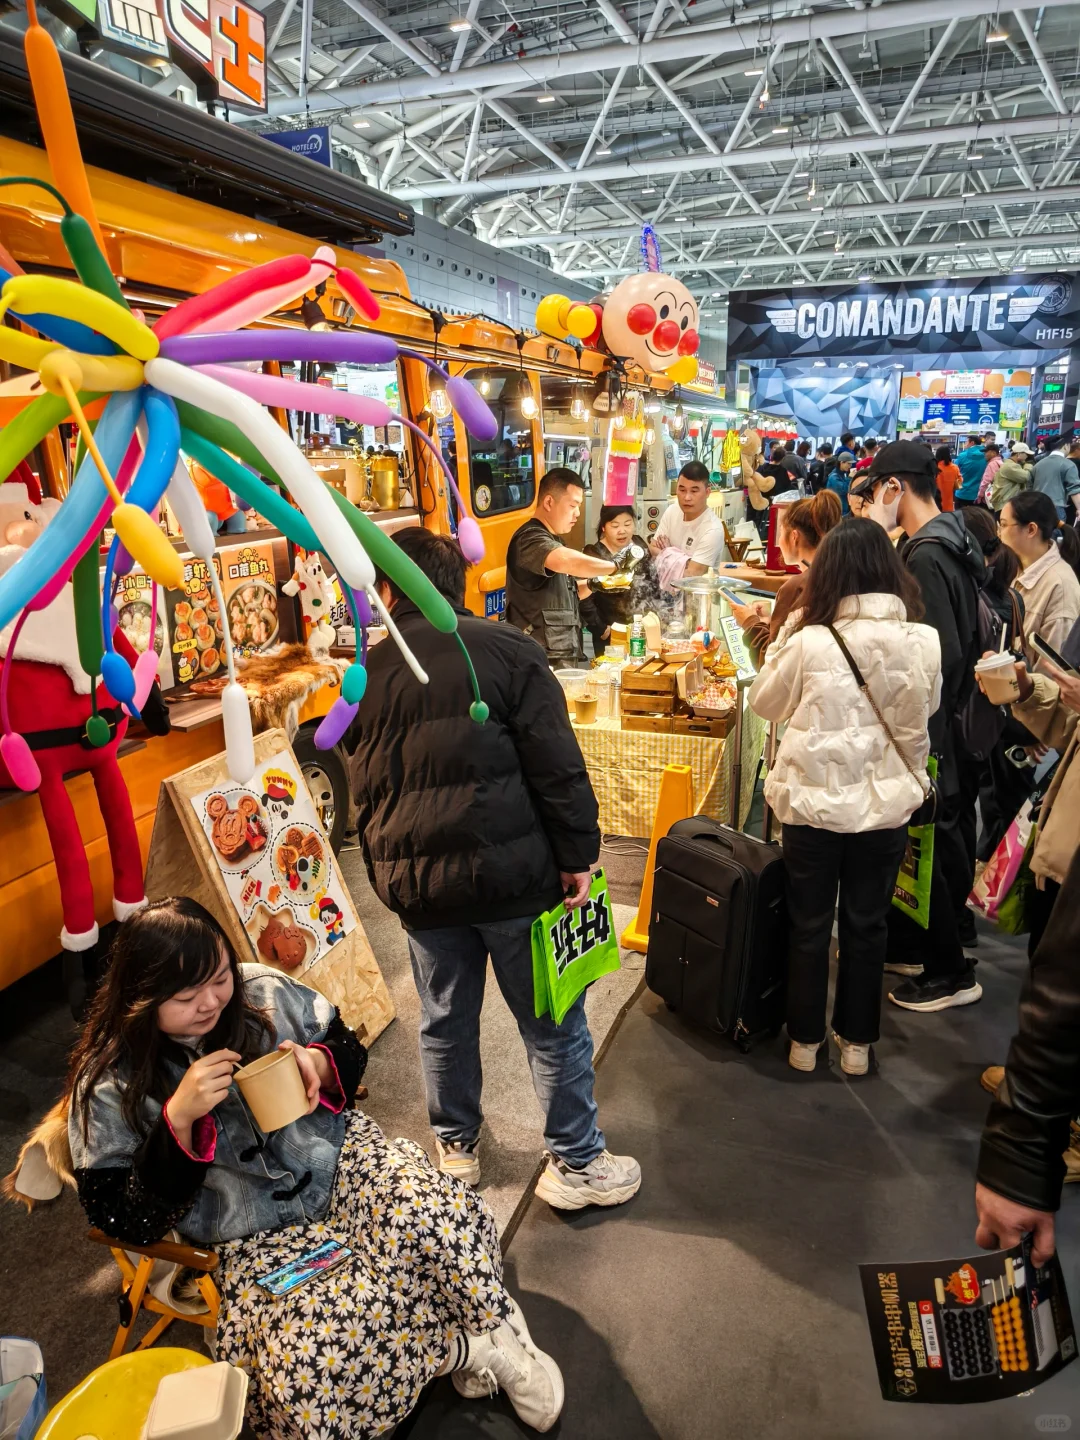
x=277, y=864
x=133, y=605
x=962, y=1331
x=197, y=640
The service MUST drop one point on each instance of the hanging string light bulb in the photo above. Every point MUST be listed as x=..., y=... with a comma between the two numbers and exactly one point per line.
x=485, y=384
x=678, y=421
x=439, y=405
x=526, y=399
x=578, y=409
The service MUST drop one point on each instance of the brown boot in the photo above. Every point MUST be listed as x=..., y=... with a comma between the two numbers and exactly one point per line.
x=992, y=1077
x=1072, y=1156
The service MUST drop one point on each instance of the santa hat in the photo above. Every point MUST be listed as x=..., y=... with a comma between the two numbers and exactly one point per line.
x=22, y=487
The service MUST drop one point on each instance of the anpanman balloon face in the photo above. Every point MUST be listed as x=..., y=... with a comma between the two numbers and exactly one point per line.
x=652, y=320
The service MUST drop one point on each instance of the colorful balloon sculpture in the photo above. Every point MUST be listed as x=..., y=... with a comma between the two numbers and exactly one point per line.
x=168, y=389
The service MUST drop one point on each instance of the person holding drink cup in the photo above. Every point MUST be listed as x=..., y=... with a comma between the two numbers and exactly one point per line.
x=161, y=1137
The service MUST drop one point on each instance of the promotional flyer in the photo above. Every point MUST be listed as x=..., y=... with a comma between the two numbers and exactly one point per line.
x=960, y=1331
x=277, y=865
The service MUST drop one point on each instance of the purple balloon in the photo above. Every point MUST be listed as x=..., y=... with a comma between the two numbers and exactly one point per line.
x=362, y=608
x=123, y=562
x=474, y=410
x=362, y=348
x=334, y=723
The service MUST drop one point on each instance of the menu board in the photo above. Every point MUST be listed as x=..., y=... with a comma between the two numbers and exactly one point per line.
x=197, y=641
x=277, y=865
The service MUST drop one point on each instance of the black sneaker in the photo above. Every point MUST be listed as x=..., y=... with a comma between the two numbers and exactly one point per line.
x=969, y=936
x=937, y=994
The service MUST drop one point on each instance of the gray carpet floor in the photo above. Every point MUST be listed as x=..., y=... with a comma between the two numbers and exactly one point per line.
x=724, y=1300
x=61, y=1290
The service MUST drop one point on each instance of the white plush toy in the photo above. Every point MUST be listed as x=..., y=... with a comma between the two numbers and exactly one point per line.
x=310, y=582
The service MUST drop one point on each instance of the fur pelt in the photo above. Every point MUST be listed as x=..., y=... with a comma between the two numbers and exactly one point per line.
x=51, y=1135
x=279, y=683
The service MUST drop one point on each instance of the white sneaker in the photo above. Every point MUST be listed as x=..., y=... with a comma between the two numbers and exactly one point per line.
x=803, y=1057
x=472, y=1386
x=854, y=1059
x=531, y=1379
x=460, y=1162
x=607, y=1180
x=898, y=969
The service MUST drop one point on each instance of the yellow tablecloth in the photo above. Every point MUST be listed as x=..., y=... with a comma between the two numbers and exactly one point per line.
x=625, y=767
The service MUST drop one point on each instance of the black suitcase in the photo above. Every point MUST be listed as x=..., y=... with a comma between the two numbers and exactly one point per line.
x=718, y=933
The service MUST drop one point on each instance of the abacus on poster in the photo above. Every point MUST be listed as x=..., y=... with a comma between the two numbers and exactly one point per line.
x=968, y=1330
x=257, y=857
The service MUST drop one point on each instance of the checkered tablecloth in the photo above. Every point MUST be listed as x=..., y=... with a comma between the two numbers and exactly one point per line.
x=625, y=767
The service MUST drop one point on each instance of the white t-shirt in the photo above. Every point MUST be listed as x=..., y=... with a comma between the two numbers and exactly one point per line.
x=702, y=540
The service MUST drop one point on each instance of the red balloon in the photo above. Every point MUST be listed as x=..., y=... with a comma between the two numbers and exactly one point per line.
x=640, y=318
x=666, y=335
x=689, y=343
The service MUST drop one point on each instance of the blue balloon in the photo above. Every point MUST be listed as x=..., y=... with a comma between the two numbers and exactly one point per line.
x=76, y=515
x=119, y=677
x=64, y=332
x=160, y=453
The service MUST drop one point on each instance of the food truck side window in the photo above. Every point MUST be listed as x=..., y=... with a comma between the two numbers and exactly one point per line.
x=502, y=472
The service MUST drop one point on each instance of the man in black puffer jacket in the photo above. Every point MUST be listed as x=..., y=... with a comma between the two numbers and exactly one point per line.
x=469, y=832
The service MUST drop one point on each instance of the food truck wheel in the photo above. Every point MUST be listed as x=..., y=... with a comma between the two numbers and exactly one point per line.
x=324, y=771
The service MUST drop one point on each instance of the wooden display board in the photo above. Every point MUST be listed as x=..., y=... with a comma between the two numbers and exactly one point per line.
x=183, y=862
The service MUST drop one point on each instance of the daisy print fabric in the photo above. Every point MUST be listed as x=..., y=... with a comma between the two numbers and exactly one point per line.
x=346, y=1355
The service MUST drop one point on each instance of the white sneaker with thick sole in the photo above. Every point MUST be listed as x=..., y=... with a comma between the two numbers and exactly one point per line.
x=471, y=1386
x=531, y=1379
x=803, y=1057
x=459, y=1162
x=854, y=1059
x=607, y=1180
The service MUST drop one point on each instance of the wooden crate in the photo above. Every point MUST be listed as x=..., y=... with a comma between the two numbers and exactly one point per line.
x=635, y=704
x=652, y=677
x=658, y=724
x=716, y=726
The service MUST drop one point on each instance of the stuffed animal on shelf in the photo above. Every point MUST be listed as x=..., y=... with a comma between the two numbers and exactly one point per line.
x=311, y=583
x=46, y=698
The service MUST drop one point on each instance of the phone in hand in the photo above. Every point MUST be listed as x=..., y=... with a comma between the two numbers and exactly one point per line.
x=1048, y=652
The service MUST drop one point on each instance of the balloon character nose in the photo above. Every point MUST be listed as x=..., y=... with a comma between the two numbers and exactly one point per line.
x=689, y=343
x=640, y=319
x=666, y=335
x=22, y=533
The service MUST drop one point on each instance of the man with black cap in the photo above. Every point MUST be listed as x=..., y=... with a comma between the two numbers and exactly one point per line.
x=898, y=489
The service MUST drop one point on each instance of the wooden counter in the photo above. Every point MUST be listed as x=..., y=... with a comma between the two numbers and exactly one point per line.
x=756, y=577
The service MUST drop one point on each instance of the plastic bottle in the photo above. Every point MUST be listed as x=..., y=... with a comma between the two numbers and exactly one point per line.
x=637, y=639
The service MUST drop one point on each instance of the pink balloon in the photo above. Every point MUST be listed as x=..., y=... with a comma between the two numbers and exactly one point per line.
x=470, y=540
x=19, y=759
x=146, y=668
x=297, y=395
x=286, y=270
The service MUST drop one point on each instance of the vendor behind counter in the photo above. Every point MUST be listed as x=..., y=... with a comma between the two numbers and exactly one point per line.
x=545, y=578
x=604, y=608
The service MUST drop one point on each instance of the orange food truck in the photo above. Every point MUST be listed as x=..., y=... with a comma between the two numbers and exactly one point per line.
x=184, y=201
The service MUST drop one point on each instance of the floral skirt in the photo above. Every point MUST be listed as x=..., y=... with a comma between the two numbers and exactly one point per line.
x=347, y=1354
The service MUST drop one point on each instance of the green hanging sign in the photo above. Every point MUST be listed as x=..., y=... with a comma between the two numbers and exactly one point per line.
x=571, y=949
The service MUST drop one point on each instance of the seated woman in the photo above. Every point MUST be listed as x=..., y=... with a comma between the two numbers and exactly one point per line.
x=161, y=1138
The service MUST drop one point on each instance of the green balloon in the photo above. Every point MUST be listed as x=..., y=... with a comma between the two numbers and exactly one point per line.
x=249, y=487
x=87, y=595
x=226, y=435
x=31, y=426
x=97, y=731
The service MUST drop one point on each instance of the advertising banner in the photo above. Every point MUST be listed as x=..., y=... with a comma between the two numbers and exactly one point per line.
x=1037, y=312
x=313, y=144
x=962, y=414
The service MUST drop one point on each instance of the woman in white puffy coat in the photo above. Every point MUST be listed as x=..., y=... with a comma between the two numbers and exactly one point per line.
x=841, y=788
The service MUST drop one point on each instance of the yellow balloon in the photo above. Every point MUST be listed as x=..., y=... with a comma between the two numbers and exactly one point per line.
x=101, y=373
x=549, y=315
x=147, y=546
x=581, y=321
x=683, y=371
x=26, y=351
x=47, y=294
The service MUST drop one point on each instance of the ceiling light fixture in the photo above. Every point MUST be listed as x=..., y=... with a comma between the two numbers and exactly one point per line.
x=545, y=99
x=604, y=150
x=997, y=36
x=460, y=26
x=819, y=364
x=753, y=72
x=361, y=124
x=648, y=190
x=763, y=98
x=681, y=219
x=780, y=129
x=801, y=174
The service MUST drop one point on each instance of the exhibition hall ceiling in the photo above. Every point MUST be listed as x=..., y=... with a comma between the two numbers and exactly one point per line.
x=770, y=145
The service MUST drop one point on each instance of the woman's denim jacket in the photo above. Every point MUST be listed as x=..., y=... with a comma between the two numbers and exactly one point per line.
x=235, y=1181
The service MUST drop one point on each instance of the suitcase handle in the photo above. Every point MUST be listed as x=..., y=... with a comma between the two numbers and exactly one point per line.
x=707, y=832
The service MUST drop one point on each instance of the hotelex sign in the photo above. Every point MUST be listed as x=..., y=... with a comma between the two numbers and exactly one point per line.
x=1042, y=312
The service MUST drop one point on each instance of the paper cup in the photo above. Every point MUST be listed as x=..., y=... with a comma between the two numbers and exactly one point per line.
x=998, y=676
x=585, y=709
x=273, y=1089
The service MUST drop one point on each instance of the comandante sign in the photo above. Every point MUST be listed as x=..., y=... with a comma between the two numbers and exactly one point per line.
x=1039, y=312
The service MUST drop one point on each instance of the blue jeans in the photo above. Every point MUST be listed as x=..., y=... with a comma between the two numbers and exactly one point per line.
x=234, y=524
x=450, y=968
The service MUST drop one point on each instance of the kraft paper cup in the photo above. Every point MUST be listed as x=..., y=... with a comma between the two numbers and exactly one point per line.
x=273, y=1089
x=585, y=709
x=998, y=676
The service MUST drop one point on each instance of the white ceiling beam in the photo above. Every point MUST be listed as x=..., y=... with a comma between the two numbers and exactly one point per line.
x=1043, y=126
x=741, y=39
x=869, y=114
x=922, y=77
x=754, y=97
x=1052, y=89
x=283, y=20
x=463, y=38
x=307, y=8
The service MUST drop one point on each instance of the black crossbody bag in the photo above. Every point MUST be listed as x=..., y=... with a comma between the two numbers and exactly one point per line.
x=926, y=814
